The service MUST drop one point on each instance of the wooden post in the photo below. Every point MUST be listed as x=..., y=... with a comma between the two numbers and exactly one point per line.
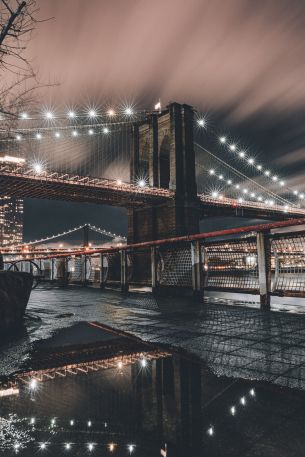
x=264, y=268
x=124, y=282
x=196, y=270
x=154, y=265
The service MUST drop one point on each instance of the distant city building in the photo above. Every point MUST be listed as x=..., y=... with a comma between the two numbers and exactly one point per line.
x=11, y=211
x=11, y=220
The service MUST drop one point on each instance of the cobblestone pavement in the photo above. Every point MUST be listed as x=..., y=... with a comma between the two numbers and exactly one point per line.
x=234, y=340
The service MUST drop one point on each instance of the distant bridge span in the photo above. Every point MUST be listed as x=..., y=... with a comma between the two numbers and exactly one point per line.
x=24, y=183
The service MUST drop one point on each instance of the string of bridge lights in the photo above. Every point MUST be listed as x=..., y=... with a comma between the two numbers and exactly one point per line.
x=67, y=232
x=232, y=147
x=68, y=446
x=233, y=410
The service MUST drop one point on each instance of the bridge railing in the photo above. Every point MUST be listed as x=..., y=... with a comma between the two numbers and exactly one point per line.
x=262, y=260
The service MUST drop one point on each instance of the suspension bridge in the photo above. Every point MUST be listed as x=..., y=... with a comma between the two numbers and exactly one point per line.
x=140, y=159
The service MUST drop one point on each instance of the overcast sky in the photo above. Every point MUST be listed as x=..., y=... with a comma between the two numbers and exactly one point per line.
x=240, y=61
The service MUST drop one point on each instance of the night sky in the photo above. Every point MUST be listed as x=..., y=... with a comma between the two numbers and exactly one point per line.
x=239, y=61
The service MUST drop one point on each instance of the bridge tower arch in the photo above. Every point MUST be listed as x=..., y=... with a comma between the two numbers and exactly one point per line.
x=163, y=153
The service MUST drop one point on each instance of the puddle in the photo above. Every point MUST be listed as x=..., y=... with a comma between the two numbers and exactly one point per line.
x=90, y=390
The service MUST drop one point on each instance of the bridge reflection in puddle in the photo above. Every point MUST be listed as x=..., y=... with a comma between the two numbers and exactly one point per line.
x=115, y=395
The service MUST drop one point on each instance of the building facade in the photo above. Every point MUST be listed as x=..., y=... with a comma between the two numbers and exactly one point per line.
x=11, y=220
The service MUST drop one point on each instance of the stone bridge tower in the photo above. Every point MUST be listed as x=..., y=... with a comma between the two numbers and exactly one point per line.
x=163, y=152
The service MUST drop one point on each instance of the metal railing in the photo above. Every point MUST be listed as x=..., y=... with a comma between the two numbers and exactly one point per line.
x=260, y=260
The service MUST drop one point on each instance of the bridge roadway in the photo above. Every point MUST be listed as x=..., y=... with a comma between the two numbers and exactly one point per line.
x=25, y=183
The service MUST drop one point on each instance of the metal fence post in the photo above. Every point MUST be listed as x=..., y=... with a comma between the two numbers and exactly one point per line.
x=124, y=282
x=154, y=279
x=196, y=270
x=102, y=282
x=264, y=268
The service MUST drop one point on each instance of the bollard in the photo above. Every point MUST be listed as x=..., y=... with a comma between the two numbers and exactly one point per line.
x=124, y=281
x=196, y=270
x=264, y=268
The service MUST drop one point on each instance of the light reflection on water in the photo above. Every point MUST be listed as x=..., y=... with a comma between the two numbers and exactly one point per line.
x=136, y=409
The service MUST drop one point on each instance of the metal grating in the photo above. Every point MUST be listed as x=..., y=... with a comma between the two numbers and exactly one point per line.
x=175, y=266
x=231, y=265
x=288, y=261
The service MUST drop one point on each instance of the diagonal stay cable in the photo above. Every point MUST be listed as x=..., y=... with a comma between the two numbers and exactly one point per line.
x=242, y=175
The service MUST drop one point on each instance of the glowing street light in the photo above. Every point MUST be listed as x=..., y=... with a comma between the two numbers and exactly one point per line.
x=43, y=446
x=33, y=384
x=111, y=447
x=143, y=363
x=38, y=168
x=68, y=446
x=92, y=113
x=201, y=122
x=128, y=111
x=71, y=114
x=141, y=183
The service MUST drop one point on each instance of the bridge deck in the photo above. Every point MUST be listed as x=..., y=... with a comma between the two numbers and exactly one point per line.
x=22, y=183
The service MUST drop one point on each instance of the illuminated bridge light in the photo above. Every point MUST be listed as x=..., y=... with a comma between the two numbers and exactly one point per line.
x=43, y=446
x=233, y=410
x=215, y=194
x=241, y=154
x=141, y=183
x=282, y=183
x=222, y=139
x=18, y=137
x=111, y=447
x=33, y=384
x=210, y=431
x=92, y=113
x=90, y=132
x=232, y=147
x=119, y=182
x=267, y=173
x=201, y=122
x=24, y=116
x=90, y=447
x=74, y=133
x=71, y=114
x=274, y=178
x=143, y=362
x=89, y=423
x=111, y=112
x=130, y=448
x=221, y=177
x=237, y=186
x=57, y=135
x=212, y=172
x=251, y=161
x=259, y=167
x=71, y=422
x=243, y=401
x=38, y=136
x=105, y=130
x=128, y=111
x=68, y=446
x=49, y=115
x=252, y=392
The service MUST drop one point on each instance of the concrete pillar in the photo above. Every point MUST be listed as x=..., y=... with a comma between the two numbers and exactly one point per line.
x=264, y=268
x=196, y=270
x=154, y=266
x=124, y=280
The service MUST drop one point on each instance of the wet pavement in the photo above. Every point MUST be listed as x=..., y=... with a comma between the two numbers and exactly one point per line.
x=137, y=399
x=233, y=340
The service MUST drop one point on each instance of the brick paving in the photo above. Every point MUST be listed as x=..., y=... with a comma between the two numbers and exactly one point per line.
x=233, y=340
